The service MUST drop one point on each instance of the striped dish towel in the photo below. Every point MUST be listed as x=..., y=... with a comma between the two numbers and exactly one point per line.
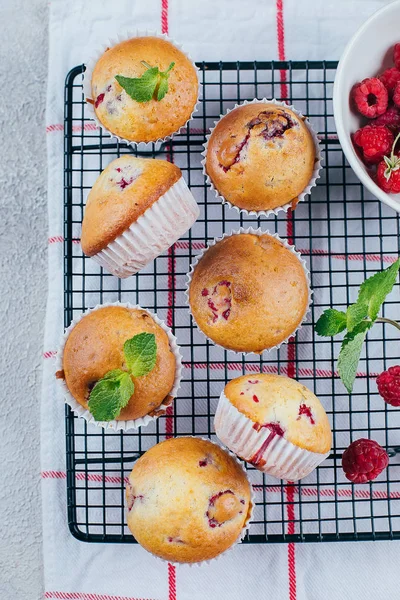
x=208, y=30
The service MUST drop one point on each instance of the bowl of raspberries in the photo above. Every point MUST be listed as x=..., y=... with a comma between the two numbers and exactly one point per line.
x=366, y=104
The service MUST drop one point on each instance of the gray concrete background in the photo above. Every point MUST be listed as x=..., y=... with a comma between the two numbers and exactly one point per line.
x=23, y=277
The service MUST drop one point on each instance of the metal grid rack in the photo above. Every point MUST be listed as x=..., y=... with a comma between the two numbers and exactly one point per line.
x=344, y=234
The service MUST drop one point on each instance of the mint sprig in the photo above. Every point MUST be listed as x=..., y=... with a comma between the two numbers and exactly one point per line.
x=152, y=84
x=358, y=320
x=113, y=391
x=140, y=354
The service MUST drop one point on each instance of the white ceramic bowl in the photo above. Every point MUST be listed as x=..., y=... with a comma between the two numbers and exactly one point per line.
x=369, y=52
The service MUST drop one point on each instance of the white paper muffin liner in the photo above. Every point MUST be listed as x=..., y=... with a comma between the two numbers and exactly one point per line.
x=87, y=87
x=132, y=423
x=307, y=190
x=283, y=459
x=252, y=231
x=245, y=527
x=160, y=226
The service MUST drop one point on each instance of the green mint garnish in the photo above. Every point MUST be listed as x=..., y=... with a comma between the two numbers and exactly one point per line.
x=331, y=322
x=152, y=84
x=372, y=295
x=112, y=392
x=140, y=354
x=350, y=353
x=358, y=319
x=110, y=395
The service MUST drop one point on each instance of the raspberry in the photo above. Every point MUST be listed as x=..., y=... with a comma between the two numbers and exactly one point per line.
x=396, y=95
x=364, y=460
x=390, y=184
x=391, y=118
x=390, y=78
x=370, y=97
x=396, y=55
x=375, y=142
x=99, y=100
x=388, y=384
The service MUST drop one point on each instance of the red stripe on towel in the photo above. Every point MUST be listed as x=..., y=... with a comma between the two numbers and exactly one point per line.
x=169, y=421
x=86, y=596
x=291, y=346
x=281, y=46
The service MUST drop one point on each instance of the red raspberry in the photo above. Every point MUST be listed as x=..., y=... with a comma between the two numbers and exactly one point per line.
x=363, y=460
x=391, y=118
x=396, y=95
x=388, y=384
x=370, y=97
x=396, y=55
x=390, y=184
x=390, y=78
x=375, y=142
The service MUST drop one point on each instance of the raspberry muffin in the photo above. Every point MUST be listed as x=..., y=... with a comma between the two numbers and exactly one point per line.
x=120, y=366
x=275, y=423
x=249, y=292
x=262, y=156
x=188, y=500
x=142, y=89
x=137, y=208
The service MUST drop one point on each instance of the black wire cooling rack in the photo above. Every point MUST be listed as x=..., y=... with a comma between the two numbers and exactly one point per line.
x=343, y=233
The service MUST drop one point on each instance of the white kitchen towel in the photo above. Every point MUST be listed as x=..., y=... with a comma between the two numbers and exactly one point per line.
x=209, y=30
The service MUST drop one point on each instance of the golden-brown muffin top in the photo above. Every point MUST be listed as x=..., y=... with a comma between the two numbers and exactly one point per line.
x=248, y=292
x=143, y=121
x=126, y=188
x=95, y=346
x=188, y=500
x=260, y=156
x=283, y=405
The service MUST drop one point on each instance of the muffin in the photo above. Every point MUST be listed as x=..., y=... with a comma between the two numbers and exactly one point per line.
x=142, y=89
x=96, y=358
x=262, y=156
x=137, y=208
x=249, y=292
x=188, y=500
x=275, y=423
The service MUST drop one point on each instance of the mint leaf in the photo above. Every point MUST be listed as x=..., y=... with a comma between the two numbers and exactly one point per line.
x=152, y=84
x=141, y=353
x=350, y=353
x=331, y=322
x=163, y=87
x=355, y=314
x=110, y=395
x=141, y=88
x=371, y=296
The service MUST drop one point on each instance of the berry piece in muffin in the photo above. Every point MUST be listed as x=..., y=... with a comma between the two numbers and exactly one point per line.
x=137, y=208
x=188, y=500
x=260, y=156
x=118, y=364
x=275, y=423
x=248, y=292
x=144, y=89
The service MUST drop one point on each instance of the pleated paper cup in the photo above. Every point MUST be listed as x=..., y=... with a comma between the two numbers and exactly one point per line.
x=154, y=145
x=252, y=231
x=307, y=190
x=80, y=411
x=263, y=448
x=246, y=525
x=160, y=226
